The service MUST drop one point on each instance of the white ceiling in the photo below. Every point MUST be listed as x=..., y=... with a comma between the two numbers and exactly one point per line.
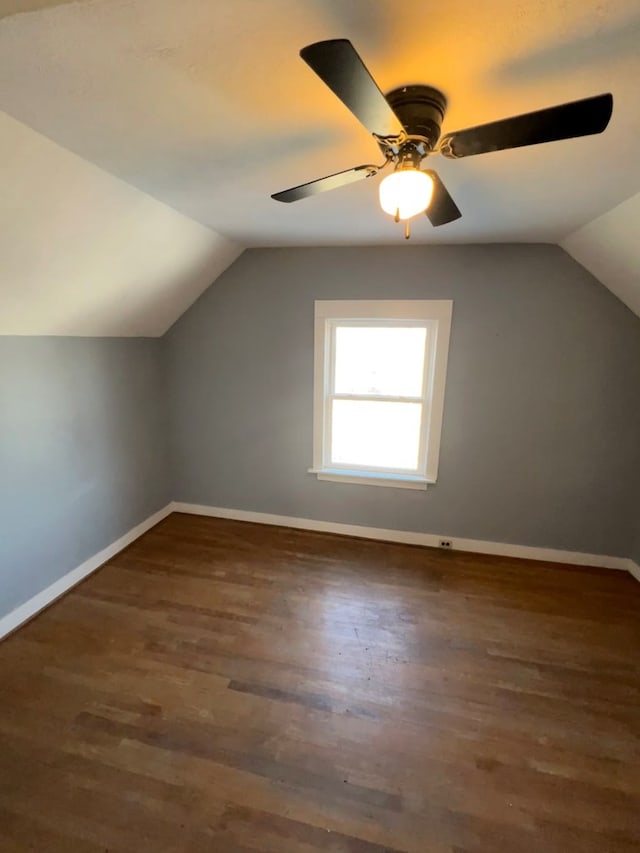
x=82, y=253
x=609, y=247
x=208, y=109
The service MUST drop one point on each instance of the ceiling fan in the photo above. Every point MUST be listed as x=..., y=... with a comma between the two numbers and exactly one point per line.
x=406, y=125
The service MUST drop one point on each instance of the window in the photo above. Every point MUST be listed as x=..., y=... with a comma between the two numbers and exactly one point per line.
x=380, y=370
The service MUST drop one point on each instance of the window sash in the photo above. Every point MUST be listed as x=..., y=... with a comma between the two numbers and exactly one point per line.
x=331, y=326
x=382, y=398
x=382, y=469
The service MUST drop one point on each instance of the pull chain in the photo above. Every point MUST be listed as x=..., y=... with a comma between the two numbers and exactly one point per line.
x=407, y=231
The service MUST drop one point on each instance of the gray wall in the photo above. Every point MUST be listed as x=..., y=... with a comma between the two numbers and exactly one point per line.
x=542, y=409
x=82, y=452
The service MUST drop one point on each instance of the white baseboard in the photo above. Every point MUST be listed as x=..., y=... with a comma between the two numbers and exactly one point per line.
x=478, y=546
x=29, y=609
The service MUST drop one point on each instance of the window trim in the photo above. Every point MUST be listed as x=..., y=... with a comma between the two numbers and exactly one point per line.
x=436, y=314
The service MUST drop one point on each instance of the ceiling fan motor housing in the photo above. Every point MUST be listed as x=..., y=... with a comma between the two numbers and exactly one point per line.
x=420, y=110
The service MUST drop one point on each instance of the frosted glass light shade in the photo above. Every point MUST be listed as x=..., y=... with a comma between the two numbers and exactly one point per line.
x=408, y=191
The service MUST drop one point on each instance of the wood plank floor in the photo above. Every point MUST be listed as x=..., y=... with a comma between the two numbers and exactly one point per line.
x=223, y=686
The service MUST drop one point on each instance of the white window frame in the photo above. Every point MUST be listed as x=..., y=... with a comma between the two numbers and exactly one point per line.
x=432, y=314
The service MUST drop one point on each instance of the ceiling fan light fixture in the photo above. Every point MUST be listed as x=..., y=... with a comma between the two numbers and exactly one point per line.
x=406, y=193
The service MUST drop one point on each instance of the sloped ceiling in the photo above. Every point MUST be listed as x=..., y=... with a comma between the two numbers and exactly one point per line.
x=204, y=109
x=83, y=253
x=609, y=247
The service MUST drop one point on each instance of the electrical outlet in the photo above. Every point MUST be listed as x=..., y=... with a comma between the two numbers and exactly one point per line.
x=445, y=543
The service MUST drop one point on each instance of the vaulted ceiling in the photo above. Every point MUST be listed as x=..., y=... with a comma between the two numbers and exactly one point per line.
x=143, y=139
x=609, y=247
x=83, y=253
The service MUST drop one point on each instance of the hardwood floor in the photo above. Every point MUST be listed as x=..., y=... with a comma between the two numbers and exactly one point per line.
x=223, y=686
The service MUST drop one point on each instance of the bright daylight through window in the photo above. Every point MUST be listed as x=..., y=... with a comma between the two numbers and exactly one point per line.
x=380, y=370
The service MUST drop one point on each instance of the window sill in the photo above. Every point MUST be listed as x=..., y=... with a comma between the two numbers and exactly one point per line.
x=371, y=478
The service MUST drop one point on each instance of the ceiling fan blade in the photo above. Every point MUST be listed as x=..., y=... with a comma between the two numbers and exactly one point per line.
x=331, y=182
x=442, y=208
x=566, y=121
x=339, y=66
